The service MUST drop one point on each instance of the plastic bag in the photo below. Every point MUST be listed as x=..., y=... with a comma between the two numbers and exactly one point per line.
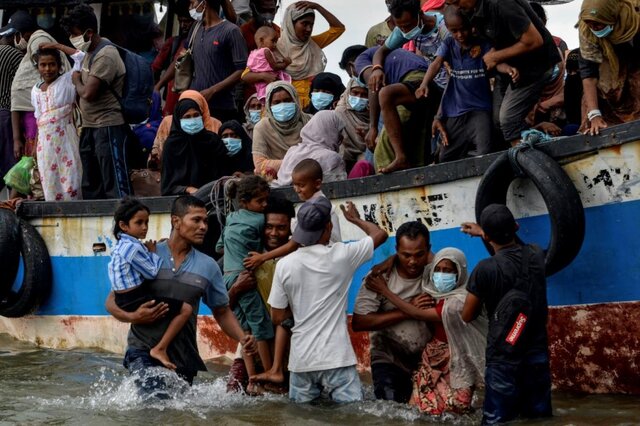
x=18, y=176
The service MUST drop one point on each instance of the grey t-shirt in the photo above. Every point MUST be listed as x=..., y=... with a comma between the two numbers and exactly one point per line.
x=105, y=110
x=198, y=277
x=218, y=52
x=400, y=344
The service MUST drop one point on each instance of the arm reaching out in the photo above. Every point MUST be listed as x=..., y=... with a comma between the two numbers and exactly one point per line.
x=378, y=234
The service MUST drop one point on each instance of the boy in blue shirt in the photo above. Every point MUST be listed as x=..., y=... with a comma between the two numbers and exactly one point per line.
x=464, y=120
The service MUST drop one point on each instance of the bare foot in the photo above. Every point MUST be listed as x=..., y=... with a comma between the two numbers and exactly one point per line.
x=255, y=389
x=397, y=164
x=268, y=376
x=161, y=355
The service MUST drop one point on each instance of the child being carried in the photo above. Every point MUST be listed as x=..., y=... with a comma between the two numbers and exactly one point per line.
x=267, y=58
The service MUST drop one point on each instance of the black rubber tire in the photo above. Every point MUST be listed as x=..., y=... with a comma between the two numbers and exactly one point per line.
x=9, y=231
x=561, y=197
x=36, y=284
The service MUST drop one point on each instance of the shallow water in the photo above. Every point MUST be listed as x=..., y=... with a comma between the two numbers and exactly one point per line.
x=86, y=387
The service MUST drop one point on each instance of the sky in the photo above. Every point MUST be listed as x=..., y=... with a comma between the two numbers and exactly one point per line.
x=359, y=15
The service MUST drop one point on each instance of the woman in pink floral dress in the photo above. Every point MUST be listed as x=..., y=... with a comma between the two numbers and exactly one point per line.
x=57, y=152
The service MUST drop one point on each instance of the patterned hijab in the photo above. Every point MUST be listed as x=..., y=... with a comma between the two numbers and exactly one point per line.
x=306, y=56
x=353, y=144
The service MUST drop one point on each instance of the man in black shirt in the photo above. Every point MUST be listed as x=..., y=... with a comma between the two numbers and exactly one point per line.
x=516, y=383
x=522, y=41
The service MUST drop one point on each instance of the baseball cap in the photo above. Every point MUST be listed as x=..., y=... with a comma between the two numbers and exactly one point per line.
x=498, y=223
x=313, y=217
x=19, y=22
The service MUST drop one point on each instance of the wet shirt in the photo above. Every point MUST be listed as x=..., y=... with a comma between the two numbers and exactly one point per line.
x=314, y=282
x=400, y=344
x=218, y=52
x=105, y=110
x=503, y=22
x=397, y=64
x=427, y=44
x=468, y=88
x=197, y=278
x=492, y=278
x=242, y=233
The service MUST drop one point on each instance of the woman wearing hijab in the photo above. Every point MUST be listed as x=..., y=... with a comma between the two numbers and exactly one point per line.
x=453, y=361
x=353, y=108
x=192, y=155
x=278, y=130
x=610, y=65
x=210, y=123
x=305, y=50
x=252, y=114
x=326, y=89
x=321, y=139
x=238, y=145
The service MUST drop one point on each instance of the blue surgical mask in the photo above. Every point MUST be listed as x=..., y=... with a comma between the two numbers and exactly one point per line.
x=234, y=145
x=603, y=32
x=321, y=100
x=414, y=32
x=444, y=281
x=284, y=112
x=192, y=125
x=358, y=104
x=254, y=115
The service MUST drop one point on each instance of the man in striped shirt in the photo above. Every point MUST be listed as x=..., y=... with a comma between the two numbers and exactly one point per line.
x=10, y=58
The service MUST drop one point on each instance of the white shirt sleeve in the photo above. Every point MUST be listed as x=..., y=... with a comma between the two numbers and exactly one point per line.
x=34, y=102
x=277, y=297
x=360, y=251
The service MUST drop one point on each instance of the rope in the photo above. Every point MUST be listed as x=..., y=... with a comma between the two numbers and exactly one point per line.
x=530, y=138
x=221, y=203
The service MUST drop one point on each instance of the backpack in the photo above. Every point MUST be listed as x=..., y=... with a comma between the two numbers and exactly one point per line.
x=138, y=84
x=507, y=333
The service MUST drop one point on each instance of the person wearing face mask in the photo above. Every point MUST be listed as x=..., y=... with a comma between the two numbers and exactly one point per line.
x=353, y=108
x=192, y=155
x=326, y=89
x=238, y=144
x=610, y=62
x=427, y=31
x=453, y=361
x=252, y=113
x=27, y=38
x=10, y=58
x=348, y=60
x=278, y=130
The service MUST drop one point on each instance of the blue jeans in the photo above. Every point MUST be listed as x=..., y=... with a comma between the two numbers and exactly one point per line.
x=137, y=361
x=517, y=390
x=342, y=384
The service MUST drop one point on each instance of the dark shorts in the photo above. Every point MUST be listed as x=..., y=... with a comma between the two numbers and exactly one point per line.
x=391, y=383
x=469, y=135
x=131, y=300
x=517, y=390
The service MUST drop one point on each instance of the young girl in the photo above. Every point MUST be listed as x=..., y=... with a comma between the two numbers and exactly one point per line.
x=132, y=263
x=266, y=58
x=57, y=151
x=243, y=234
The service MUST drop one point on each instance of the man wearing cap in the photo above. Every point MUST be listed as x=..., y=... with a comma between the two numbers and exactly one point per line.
x=28, y=38
x=517, y=376
x=314, y=283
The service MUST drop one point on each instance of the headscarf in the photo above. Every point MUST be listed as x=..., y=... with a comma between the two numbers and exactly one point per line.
x=242, y=161
x=320, y=141
x=432, y=4
x=210, y=123
x=353, y=144
x=326, y=81
x=624, y=15
x=307, y=58
x=190, y=160
x=248, y=125
x=467, y=341
x=271, y=138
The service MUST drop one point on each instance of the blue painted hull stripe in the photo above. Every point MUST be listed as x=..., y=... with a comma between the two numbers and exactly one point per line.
x=606, y=270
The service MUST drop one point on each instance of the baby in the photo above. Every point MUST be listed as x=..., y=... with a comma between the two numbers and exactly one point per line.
x=266, y=58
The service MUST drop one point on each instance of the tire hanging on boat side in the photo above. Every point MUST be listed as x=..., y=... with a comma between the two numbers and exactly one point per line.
x=561, y=197
x=36, y=283
x=9, y=234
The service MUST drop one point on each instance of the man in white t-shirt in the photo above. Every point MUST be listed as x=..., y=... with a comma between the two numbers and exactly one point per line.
x=314, y=283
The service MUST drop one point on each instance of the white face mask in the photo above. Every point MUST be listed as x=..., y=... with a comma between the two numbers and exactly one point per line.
x=195, y=15
x=79, y=43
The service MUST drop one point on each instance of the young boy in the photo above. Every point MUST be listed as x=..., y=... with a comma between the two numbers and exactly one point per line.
x=464, y=120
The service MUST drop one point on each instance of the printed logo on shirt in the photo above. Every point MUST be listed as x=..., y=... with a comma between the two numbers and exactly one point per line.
x=216, y=42
x=516, y=331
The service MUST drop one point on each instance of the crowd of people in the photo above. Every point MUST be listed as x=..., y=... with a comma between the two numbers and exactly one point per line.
x=436, y=81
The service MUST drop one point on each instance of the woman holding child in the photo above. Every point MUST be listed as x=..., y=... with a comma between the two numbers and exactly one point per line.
x=452, y=363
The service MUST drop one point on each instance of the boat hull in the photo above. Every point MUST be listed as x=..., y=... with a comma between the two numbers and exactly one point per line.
x=594, y=321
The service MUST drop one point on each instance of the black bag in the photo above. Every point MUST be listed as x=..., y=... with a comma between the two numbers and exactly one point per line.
x=507, y=332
